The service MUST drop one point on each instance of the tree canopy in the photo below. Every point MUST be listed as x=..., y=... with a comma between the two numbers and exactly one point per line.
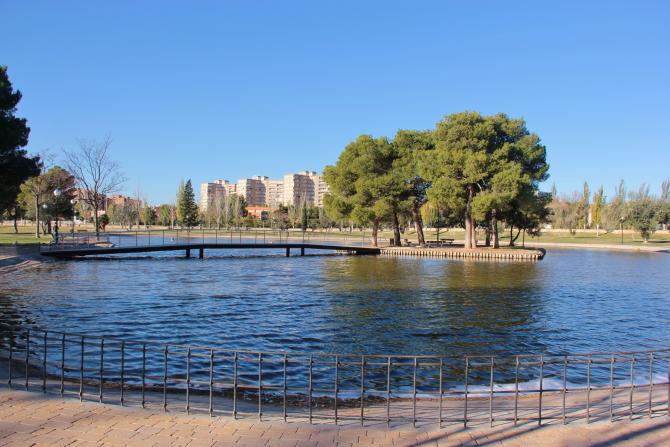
x=481, y=168
x=15, y=165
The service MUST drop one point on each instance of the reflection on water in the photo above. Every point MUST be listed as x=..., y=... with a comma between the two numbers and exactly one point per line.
x=575, y=301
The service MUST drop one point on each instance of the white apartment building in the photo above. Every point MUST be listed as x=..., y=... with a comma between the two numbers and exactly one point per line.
x=274, y=193
x=305, y=187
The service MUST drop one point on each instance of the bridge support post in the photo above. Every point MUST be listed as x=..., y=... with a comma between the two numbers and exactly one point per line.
x=188, y=252
x=288, y=252
x=302, y=251
x=201, y=254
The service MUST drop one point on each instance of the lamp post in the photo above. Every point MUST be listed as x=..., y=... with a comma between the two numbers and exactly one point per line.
x=621, y=225
x=73, y=202
x=44, y=208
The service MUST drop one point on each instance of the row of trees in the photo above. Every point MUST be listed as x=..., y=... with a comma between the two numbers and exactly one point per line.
x=471, y=170
x=637, y=209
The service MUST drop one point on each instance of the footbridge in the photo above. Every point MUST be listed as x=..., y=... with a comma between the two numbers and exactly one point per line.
x=191, y=242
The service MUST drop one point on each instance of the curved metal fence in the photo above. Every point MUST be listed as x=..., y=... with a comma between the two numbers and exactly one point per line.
x=535, y=388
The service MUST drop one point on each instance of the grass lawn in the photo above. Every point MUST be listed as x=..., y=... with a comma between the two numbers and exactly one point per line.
x=26, y=235
x=629, y=238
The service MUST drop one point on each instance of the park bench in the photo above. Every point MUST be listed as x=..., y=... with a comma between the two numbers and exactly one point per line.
x=440, y=243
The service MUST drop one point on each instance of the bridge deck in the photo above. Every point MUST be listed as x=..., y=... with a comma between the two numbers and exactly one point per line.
x=69, y=252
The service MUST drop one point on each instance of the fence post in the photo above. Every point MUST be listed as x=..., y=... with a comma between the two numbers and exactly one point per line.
x=44, y=365
x=285, y=390
x=632, y=386
x=27, y=357
x=11, y=360
x=102, y=366
x=362, y=389
x=144, y=371
x=465, y=398
x=62, y=365
x=234, y=380
x=188, y=380
x=211, y=380
x=123, y=368
x=260, y=384
x=81, y=370
x=165, y=371
x=539, y=407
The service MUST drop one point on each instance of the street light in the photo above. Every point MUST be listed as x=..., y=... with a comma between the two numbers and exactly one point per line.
x=73, y=202
x=621, y=225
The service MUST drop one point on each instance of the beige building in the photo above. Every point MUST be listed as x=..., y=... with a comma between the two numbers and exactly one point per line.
x=274, y=193
x=211, y=192
x=253, y=190
x=321, y=190
x=306, y=187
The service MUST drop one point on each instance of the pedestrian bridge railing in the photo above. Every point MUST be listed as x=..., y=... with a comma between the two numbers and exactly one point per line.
x=335, y=388
x=230, y=236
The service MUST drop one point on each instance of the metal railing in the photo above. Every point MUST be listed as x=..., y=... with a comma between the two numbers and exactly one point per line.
x=535, y=388
x=230, y=236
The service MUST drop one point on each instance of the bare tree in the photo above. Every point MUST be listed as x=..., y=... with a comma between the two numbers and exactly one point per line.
x=96, y=173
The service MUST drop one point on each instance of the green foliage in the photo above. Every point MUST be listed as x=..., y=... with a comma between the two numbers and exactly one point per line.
x=166, y=214
x=615, y=211
x=187, y=209
x=484, y=167
x=597, y=207
x=148, y=215
x=643, y=213
x=104, y=221
x=15, y=165
x=39, y=200
x=362, y=183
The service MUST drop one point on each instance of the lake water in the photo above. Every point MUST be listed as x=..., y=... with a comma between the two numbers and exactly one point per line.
x=572, y=301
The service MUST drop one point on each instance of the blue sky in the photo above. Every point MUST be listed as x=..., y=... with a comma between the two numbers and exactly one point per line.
x=208, y=90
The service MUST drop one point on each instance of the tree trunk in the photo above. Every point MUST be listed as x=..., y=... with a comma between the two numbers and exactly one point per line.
x=494, y=228
x=418, y=224
x=396, y=230
x=375, y=228
x=95, y=220
x=487, y=237
x=469, y=231
x=16, y=218
x=511, y=238
x=37, y=217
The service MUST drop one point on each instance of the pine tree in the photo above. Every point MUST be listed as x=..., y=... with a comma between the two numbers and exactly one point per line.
x=15, y=165
x=180, y=202
x=187, y=209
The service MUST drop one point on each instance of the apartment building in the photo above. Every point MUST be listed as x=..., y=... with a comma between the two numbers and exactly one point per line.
x=305, y=187
x=321, y=190
x=211, y=192
x=274, y=193
x=253, y=190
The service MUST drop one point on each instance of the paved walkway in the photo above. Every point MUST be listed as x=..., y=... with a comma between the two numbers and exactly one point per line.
x=32, y=419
